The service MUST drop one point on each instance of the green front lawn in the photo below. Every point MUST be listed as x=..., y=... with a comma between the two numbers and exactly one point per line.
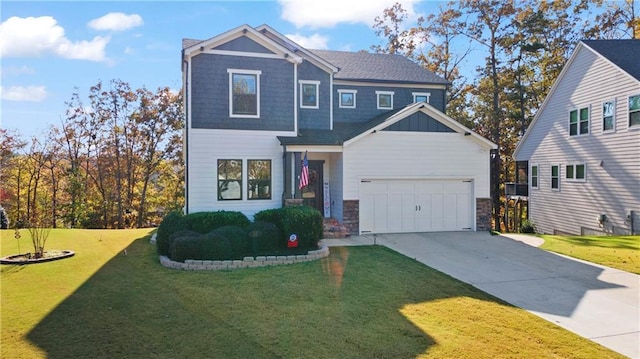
x=621, y=252
x=360, y=302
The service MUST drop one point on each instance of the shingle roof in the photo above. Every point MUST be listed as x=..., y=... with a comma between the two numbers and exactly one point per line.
x=623, y=53
x=189, y=42
x=366, y=66
x=341, y=132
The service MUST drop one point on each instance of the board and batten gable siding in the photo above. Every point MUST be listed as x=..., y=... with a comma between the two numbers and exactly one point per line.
x=206, y=147
x=366, y=101
x=315, y=118
x=209, y=101
x=415, y=155
x=612, y=160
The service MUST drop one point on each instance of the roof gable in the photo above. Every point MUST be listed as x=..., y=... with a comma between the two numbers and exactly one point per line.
x=622, y=53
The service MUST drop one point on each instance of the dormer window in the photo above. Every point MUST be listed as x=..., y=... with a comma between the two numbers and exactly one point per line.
x=385, y=100
x=421, y=97
x=244, y=93
x=309, y=91
x=347, y=98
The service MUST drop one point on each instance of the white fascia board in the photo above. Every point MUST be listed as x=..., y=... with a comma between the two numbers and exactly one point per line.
x=390, y=84
x=313, y=148
x=243, y=30
x=322, y=63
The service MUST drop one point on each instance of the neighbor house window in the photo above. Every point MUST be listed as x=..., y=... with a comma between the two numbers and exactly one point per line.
x=534, y=176
x=347, y=98
x=421, y=97
x=608, y=116
x=309, y=91
x=579, y=122
x=555, y=177
x=244, y=93
x=229, y=179
x=385, y=100
x=575, y=172
x=259, y=179
x=634, y=111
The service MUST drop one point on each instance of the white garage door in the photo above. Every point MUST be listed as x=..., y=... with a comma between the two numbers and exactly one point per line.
x=395, y=206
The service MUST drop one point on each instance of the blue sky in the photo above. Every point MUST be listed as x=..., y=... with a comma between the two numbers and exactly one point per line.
x=50, y=48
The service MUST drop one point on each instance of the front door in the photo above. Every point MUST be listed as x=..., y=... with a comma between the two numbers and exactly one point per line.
x=312, y=194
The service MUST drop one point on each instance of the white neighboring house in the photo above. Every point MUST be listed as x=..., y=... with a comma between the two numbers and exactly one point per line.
x=583, y=146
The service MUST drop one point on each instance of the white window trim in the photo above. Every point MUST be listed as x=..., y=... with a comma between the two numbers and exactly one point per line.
x=614, y=116
x=425, y=94
x=588, y=122
x=257, y=73
x=575, y=172
x=378, y=93
x=310, y=82
x=537, y=176
x=340, y=92
x=551, y=177
x=636, y=127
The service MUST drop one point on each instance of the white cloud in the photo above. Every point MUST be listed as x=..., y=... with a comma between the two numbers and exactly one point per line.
x=24, y=94
x=328, y=13
x=16, y=71
x=37, y=36
x=315, y=41
x=116, y=21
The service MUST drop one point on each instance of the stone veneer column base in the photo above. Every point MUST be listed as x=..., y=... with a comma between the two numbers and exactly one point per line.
x=483, y=214
x=351, y=216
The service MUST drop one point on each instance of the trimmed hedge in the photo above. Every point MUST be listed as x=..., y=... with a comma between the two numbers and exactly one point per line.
x=266, y=235
x=210, y=246
x=171, y=223
x=238, y=238
x=205, y=222
x=304, y=221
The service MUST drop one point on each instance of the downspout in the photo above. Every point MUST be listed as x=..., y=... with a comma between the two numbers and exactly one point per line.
x=186, y=134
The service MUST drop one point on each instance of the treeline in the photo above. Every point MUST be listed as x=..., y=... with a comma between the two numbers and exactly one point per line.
x=114, y=161
x=522, y=46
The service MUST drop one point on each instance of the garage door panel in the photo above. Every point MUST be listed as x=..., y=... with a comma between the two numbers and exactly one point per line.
x=389, y=206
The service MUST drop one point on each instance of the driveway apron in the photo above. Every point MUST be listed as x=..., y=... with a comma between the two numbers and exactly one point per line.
x=596, y=302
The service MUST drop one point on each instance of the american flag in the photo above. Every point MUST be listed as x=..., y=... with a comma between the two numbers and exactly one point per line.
x=304, y=174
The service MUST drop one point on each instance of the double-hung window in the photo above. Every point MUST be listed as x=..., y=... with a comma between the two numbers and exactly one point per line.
x=579, y=122
x=309, y=93
x=609, y=116
x=347, y=98
x=576, y=172
x=555, y=177
x=385, y=100
x=534, y=176
x=421, y=96
x=244, y=93
x=259, y=179
x=634, y=111
x=229, y=180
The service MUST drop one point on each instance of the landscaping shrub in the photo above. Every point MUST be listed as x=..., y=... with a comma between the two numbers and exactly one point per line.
x=527, y=227
x=266, y=235
x=305, y=222
x=210, y=246
x=273, y=215
x=179, y=234
x=205, y=222
x=171, y=223
x=238, y=238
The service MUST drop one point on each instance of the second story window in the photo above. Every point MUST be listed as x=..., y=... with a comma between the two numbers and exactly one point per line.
x=385, y=100
x=421, y=96
x=534, y=176
x=579, y=122
x=634, y=111
x=347, y=98
x=555, y=177
x=309, y=91
x=244, y=93
x=608, y=116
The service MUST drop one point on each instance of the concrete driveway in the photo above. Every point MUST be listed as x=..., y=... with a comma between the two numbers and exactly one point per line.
x=596, y=302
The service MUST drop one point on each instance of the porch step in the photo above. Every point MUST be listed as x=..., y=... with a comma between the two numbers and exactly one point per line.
x=334, y=229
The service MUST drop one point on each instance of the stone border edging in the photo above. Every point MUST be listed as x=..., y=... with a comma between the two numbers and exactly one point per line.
x=246, y=262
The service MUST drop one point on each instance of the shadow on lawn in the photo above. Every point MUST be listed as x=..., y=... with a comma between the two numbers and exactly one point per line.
x=337, y=307
x=627, y=242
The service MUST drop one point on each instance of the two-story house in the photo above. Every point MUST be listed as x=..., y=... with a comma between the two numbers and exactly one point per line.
x=382, y=155
x=582, y=148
